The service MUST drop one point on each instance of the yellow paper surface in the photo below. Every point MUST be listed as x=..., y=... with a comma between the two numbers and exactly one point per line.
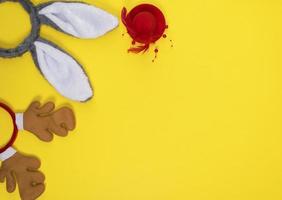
x=203, y=122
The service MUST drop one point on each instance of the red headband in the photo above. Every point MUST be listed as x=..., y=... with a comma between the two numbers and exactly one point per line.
x=15, y=131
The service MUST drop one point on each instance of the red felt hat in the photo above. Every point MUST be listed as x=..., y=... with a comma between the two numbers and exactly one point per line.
x=145, y=24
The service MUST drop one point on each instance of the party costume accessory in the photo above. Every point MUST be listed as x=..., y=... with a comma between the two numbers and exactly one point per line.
x=21, y=170
x=145, y=24
x=61, y=70
x=15, y=128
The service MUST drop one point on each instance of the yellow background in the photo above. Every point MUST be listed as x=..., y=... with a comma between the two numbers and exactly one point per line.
x=203, y=122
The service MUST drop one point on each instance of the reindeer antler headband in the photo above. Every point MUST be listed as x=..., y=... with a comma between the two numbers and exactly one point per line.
x=62, y=71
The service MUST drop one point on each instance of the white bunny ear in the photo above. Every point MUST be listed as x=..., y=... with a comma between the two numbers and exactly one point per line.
x=78, y=19
x=61, y=70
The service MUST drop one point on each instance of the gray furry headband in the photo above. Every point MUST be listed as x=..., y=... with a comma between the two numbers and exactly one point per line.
x=61, y=70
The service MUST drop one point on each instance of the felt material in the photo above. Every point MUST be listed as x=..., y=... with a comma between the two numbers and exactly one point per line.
x=16, y=168
x=8, y=153
x=59, y=68
x=19, y=121
x=62, y=71
x=23, y=171
x=145, y=24
x=15, y=129
x=43, y=121
x=78, y=19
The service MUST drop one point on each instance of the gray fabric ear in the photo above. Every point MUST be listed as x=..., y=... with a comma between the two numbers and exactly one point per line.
x=77, y=19
x=61, y=70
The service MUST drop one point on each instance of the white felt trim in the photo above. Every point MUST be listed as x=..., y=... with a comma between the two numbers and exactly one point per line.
x=79, y=19
x=7, y=154
x=19, y=121
x=63, y=72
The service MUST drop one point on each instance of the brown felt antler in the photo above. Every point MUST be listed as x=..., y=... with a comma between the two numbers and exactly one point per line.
x=23, y=170
x=43, y=121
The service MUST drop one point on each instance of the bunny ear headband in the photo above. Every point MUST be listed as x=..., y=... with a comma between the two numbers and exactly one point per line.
x=61, y=70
